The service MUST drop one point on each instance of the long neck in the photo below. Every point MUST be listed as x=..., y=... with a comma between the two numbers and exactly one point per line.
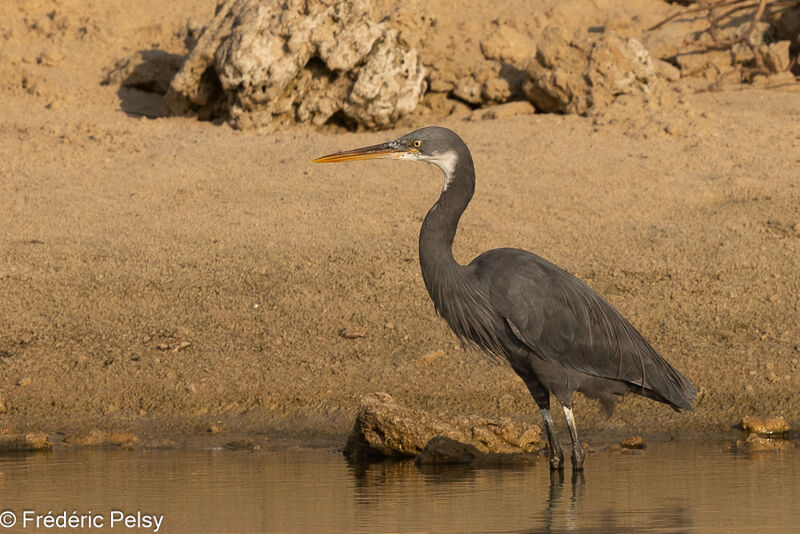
x=440, y=224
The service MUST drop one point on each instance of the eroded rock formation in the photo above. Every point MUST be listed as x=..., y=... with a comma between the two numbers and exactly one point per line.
x=263, y=63
x=384, y=428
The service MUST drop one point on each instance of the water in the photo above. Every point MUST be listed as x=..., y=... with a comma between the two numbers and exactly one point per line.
x=672, y=487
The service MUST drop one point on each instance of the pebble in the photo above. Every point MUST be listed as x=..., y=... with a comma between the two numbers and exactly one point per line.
x=353, y=332
x=431, y=357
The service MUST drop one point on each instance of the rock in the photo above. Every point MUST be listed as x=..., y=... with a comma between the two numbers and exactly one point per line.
x=502, y=111
x=756, y=443
x=33, y=441
x=24, y=382
x=766, y=426
x=173, y=346
x=438, y=105
x=509, y=45
x=497, y=90
x=439, y=85
x=353, y=332
x=263, y=63
x=775, y=80
x=776, y=56
x=442, y=450
x=669, y=40
x=429, y=358
x=388, y=86
x=148, y=70
x=383, y=428
x=708, y=64
x=667, y=70
x=445, y=451
x=244, y=444
x=574, y=74
x=413, y=23
x=468, y=90
x=101, y=438
x=633, y=442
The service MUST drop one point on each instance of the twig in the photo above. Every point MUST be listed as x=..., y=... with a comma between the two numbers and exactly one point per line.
x=720, y=12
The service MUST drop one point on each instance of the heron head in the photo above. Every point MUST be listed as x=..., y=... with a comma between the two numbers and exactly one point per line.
x=432, y=144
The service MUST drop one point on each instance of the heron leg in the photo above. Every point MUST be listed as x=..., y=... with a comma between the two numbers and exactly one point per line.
x=578, y=454
x=556, y=454
x=542, y=398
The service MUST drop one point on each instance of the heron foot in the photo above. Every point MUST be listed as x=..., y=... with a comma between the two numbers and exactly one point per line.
x=556, y=461
x=578, y=454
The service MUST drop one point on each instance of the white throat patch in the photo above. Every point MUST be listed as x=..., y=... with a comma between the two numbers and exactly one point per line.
x=445, y=161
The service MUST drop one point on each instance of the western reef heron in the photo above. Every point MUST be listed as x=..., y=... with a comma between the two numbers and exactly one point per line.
x=556, y=332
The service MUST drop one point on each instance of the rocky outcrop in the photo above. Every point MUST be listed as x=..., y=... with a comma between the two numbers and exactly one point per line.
x=575, y=74
x=263, y=63
x=383, y=428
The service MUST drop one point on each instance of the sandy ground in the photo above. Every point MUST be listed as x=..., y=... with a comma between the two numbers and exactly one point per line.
x=159, y=276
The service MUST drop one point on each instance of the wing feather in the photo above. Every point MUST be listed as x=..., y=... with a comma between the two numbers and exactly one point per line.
x=564, y=321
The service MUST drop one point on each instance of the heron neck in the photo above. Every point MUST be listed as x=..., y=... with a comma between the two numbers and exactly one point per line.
x=440, y=224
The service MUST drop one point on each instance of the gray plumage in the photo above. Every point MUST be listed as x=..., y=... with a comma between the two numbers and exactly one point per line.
x=557, y=333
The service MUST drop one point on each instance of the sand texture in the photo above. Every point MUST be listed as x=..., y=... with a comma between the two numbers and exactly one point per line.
x=168, y=276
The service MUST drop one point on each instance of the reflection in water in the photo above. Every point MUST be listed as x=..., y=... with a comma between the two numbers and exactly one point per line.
x=563, y=513
x=670, y=488
x=555, y=505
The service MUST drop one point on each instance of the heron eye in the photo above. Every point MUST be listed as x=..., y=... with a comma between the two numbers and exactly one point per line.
x=417, y=143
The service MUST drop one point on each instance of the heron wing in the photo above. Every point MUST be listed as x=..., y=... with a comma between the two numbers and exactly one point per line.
x=564, y=321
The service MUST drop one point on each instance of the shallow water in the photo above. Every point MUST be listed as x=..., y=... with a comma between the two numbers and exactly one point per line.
x=671, y=487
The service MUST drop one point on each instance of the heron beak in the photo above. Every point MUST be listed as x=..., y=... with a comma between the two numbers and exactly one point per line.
x=384, y=150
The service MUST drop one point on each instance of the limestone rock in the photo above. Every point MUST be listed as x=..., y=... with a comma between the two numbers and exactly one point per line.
x=575, y=74
x=440, y=450
x=666, y=70
x=468, y=89
x=765, y=426
x=509, y=45
x=445, y=451
x=388, y=86
x=383, y=428
x=502, y=111
x=709, y=64
x=263, y=63
x=632, y=442
x=776, y=56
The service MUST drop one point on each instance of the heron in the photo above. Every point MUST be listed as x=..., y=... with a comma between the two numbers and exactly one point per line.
x=556, y=333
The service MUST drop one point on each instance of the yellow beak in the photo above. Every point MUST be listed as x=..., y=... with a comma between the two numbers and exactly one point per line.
x=383, y=150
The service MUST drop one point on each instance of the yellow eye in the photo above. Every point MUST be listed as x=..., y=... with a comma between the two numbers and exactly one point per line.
x=417, y=143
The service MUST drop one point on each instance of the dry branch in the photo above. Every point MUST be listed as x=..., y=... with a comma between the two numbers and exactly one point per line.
x=720, y=16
